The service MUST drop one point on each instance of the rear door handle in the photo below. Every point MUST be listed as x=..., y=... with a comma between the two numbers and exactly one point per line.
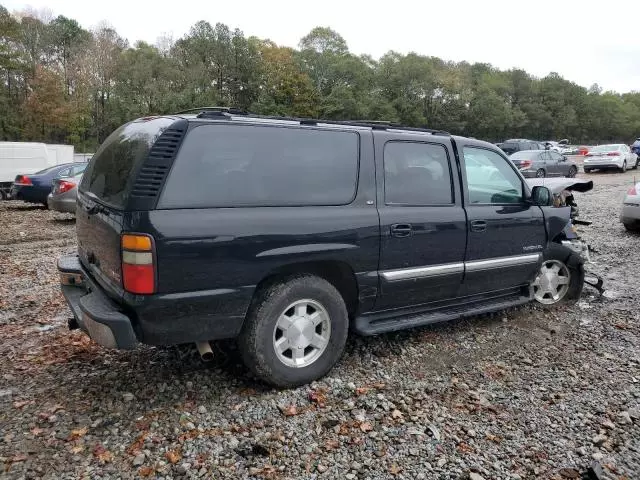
x=478, y=226
x=401, y=230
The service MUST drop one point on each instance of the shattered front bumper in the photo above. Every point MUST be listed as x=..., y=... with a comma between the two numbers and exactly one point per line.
x=582, y=248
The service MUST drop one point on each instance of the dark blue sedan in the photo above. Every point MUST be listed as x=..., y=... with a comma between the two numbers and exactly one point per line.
x=36, y=187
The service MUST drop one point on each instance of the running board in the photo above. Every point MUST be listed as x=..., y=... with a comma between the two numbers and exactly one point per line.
x=374, y=324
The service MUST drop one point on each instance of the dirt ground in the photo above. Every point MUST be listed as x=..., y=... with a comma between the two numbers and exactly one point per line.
x=525, y=393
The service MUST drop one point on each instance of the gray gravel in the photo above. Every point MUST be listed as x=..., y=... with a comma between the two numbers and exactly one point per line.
x=526, y=393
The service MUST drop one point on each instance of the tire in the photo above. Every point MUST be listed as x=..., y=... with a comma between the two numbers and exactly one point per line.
x=259, y=336
x=631, y=227
x=624, y=167
x=557, y=254
x=587, y=170
x=540, y=173
x=572, y=172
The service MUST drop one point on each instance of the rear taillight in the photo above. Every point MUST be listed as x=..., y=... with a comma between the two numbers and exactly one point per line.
x=64, y=186
x=613, y=154
x=525, y=163
x=23, y=180
x=138, y=267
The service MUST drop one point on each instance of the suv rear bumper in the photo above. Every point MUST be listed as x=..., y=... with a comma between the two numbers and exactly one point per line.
x=160, y=319
x=94, y=312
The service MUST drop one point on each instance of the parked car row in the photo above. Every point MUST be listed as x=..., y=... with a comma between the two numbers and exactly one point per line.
x=53, y=187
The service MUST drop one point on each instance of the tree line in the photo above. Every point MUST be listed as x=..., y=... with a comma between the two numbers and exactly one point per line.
x=61, y=83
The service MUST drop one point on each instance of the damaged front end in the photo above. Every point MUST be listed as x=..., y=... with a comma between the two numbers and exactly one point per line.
x=566, y=233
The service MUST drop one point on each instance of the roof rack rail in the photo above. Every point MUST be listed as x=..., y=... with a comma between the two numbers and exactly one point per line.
x=227, y=112
x=201, y=110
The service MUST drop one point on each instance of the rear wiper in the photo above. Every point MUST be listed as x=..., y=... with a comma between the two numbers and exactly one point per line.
x=96, y=207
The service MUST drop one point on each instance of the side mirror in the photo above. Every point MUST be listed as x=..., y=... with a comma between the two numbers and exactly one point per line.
x=541, y=196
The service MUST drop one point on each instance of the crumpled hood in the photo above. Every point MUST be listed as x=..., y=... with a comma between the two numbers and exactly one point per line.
x=557, y=185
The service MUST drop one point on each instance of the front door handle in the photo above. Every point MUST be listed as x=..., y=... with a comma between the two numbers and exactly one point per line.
x=401, y=230
x=478, y=226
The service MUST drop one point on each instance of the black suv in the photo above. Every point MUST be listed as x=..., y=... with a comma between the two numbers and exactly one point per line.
x=519, y=144
x=286, y=233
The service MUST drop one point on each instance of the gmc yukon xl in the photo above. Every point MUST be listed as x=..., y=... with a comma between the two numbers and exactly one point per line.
x=288, y=233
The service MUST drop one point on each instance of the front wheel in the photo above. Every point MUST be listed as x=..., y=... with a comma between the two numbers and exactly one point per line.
x=572, y=172
x=560, y=278
x=540, y=173
x=295, y=331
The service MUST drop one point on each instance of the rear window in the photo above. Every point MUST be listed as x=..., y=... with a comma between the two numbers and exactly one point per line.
x=524, y=155
x=606, y=148
x=108, y=175
x=241, y=166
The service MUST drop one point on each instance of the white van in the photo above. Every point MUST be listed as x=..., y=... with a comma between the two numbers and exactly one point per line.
x=19, y=158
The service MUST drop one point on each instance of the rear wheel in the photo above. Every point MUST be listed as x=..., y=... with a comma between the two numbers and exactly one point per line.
x=624, y=167
x=572, y=172
x=632, y=227
x=295, y=331
x=560, y=278
x=540, y=173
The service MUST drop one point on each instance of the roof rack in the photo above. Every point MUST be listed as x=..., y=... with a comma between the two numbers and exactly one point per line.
x=213, y=110
x=228, y=112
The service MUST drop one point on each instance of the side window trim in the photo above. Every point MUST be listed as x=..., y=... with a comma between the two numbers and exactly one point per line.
x=452, y=203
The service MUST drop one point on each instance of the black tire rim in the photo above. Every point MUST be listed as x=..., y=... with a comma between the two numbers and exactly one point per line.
x=540, y=173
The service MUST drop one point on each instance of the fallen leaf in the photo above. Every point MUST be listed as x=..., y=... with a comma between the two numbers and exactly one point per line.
x=21, y=457
x=396, y=414
x=77, y=449
x=290, y=411
x=78, y=433
x=366, y=427
x=173, y=456
x=136, y=446
x=464, y=447
x=102, y=454
x=146, y=471
x=362, y=390
x=344, y=429
x=331, y=444
x=357, y=441
x=319, y=397
x=379, y=386
x=395, y=469
x=22, y=403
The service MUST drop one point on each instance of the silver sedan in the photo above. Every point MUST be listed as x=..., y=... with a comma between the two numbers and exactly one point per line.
x=63, y=196
x=543, y=163
x=630, y=215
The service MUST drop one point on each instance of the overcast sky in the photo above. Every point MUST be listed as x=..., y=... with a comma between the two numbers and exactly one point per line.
x=585, y=41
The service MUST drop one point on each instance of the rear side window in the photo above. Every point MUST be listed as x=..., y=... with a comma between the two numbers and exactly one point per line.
x=110, y=172
x=244, y=166
x=416, y=174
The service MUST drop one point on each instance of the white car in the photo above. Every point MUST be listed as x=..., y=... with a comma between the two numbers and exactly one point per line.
x=617, y=155
x=630, y=215
x=557, y=146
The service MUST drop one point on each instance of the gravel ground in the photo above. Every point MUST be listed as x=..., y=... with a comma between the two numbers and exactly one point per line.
x=526, y=393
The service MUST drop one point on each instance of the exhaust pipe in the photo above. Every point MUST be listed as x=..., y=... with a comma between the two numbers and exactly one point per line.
x=204, y=348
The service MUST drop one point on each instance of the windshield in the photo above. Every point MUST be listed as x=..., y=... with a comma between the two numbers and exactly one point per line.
x=605, y=148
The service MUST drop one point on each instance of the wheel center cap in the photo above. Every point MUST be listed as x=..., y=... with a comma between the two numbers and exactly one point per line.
x=549, y=282
x=300, y=333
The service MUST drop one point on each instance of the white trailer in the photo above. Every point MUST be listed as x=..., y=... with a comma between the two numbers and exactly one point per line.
x=18, y=158
x=59, y=154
